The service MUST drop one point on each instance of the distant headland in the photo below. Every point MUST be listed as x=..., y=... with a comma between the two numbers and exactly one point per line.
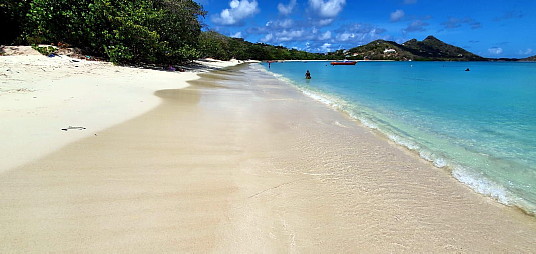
x=429, y=49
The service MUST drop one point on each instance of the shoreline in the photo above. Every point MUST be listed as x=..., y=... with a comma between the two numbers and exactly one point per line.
x=239, y=161
x=497, y=194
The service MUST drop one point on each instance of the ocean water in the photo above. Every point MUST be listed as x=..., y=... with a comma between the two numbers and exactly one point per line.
x=478, y=124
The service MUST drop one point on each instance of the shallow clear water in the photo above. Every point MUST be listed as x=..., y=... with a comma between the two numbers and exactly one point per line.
x=481, y=124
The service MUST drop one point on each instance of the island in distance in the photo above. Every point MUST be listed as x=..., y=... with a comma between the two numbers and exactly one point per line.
x=429, y=49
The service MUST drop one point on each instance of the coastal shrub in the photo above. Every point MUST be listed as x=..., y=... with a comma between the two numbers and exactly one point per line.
x=13, y=19
x=45, y=50
x=215, y=45
x=137, y=31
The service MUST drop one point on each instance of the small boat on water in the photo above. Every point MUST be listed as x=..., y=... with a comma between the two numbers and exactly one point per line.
x=344, y=63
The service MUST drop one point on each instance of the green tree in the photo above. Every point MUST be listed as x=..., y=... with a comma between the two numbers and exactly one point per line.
x=12, y=19
x=146, y=31
x=215, y=45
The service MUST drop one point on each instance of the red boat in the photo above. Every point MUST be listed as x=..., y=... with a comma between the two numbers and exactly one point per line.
x=344, y=63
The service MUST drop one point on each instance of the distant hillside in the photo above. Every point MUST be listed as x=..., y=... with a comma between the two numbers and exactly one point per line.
x=530, y=59
x=215, y=45
x=380, y=50
x=430, y=49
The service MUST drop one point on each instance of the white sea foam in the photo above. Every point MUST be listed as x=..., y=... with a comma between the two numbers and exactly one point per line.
x=365, y=122
x=482, y=185
x=440, y=162
x=322, y=99
x=404, y=142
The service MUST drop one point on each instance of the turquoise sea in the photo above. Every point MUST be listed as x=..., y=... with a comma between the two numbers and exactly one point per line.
x=478, y=124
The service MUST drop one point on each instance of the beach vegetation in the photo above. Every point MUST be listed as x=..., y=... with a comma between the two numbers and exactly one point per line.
x=215, y=45
x=125, y=32
x=45, y=50
x=13, y=19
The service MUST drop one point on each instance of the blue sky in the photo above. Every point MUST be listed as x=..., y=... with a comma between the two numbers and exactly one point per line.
x=490, y=28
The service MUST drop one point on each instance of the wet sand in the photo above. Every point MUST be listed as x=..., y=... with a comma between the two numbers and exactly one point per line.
x=241, y=162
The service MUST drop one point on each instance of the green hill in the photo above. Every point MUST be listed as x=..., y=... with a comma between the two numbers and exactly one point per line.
x=529, y=59
x=429, y=49
x=380, y=50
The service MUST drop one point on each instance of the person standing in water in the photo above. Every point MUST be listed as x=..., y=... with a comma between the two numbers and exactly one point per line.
x=307, y=75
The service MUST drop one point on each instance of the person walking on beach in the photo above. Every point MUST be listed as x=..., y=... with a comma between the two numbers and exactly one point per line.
x=307, y=75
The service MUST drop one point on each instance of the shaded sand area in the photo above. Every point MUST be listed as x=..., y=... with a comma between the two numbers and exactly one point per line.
x=240, y=162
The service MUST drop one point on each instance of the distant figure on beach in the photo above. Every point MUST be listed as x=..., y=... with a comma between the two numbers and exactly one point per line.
x=307, y=75
x=467, y=69
x=269, y=63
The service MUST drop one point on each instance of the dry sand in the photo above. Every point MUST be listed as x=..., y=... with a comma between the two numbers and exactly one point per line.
x=239, y=162
x=40, y=96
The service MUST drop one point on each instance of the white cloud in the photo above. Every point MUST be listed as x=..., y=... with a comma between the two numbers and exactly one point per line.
x=267, y=38
x=296, y=34
x=359, y=33
x=325, y=36
x=358, y=37
x=286, y=23
x=416, y=26
x=345, y=36
x=397, y=15
x=236, y=35
x=495, y=50
x=327, y=9
x=240, y=9
x=286, y=9
x=323, y=22
x=525, y=52
x=290, y=35
x=326, y=47
x=453, y=23
x=285, y=35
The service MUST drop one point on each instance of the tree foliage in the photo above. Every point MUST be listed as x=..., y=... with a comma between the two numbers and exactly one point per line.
x=13, y=19
x=216, y=45
x=136, y=31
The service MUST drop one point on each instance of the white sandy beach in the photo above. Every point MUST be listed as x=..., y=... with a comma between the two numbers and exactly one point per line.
x=40, y=96
x=234, y=162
